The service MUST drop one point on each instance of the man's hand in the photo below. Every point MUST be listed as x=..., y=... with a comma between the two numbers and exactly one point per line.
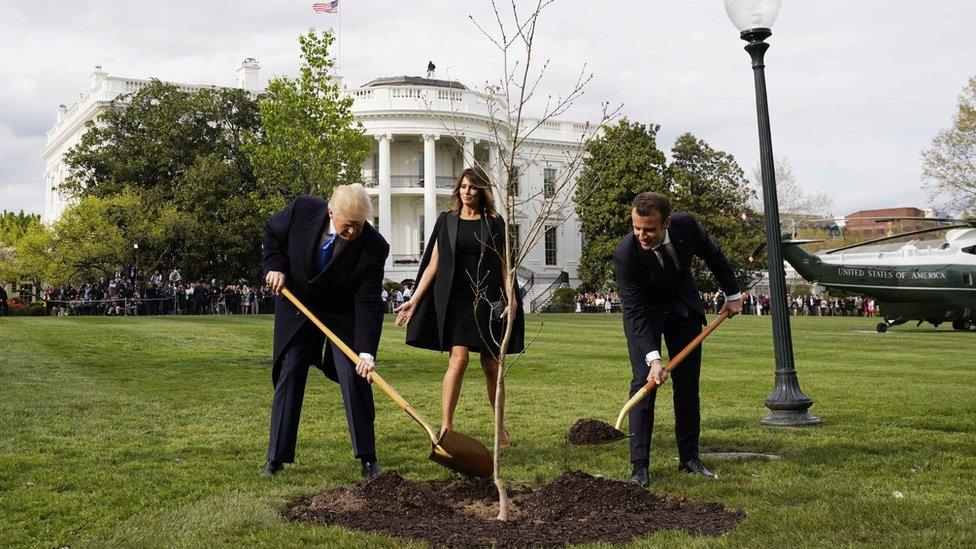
x=734, y=307
x=404, y=312
x=365, y=366
x=276, y=280
x=657, y=373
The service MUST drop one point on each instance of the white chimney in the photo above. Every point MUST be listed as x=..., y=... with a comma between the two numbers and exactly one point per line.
x=97, y=76
x=247, y=75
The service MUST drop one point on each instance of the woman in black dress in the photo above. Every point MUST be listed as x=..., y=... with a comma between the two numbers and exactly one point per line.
x=459, y=304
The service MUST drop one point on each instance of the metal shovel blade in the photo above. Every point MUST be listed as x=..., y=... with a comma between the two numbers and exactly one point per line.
x=463, y=454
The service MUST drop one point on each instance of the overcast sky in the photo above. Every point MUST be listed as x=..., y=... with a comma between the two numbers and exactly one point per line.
x=857, y=89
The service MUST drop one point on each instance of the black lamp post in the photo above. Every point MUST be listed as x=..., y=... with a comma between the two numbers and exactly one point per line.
x=788, y=405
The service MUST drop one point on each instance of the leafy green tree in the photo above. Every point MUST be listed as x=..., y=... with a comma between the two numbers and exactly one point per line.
x=149, y=139
x=311, y=140
x=949, y=165
x=96, y=236
x=713, y=187
x=13, y=225
x=622, y=163
x=180, y=153
x=17, y=230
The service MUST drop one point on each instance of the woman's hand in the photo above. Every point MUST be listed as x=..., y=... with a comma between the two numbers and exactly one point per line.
x=511, y=308
x=404, y=313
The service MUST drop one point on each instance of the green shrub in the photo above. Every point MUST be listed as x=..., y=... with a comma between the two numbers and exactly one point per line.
x=33, y=309
x=563, y=299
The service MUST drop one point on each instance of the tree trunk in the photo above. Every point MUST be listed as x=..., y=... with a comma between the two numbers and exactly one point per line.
x=503, y=508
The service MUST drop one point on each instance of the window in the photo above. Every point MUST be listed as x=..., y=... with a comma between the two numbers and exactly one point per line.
x=420, y=165
x=515, y=235
x=376, y=222
x=421, y=226
x=551, y=250
x=548, y=182
x=514, y=182
x=967, y=279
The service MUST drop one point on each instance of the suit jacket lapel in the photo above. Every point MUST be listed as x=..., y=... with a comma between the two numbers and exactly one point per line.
x=311, y=235
x=343, y=248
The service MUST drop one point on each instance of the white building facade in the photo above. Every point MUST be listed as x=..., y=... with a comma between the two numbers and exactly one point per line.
x=424, y=133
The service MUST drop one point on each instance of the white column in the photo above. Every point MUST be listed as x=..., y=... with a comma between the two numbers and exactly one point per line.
x=386, y=206
x=430, y=184
x=495, y=173
x=468, y=153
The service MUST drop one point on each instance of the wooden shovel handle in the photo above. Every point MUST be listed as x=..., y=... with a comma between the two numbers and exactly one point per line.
x=671, y=365
x=373, y=376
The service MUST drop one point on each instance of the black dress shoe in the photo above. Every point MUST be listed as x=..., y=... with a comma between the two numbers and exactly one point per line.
x=272, y=468
x=639, y=476
x=695, y=467
x=370, y=469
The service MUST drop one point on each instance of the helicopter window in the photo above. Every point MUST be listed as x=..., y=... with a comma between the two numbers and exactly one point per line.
x=967, y=279
x=970, y=250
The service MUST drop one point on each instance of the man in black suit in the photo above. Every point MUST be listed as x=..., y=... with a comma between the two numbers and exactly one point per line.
x=332, y=260
x=659, y=297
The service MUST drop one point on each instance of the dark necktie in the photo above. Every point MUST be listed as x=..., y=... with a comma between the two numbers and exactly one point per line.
x=667, y=263
x=324, y=253
x=671, y=275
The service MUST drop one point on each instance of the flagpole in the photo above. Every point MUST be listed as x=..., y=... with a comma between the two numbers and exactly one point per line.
x=339, y=41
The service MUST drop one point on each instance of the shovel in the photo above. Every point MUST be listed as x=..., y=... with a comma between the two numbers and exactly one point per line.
x=594, y=432
x=671, y=365
x=453, y=450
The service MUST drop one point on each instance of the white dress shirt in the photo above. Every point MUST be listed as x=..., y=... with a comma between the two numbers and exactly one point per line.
x=656, y=355
x=325, y=236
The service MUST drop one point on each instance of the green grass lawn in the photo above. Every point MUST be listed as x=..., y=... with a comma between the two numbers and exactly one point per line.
x=152, y=431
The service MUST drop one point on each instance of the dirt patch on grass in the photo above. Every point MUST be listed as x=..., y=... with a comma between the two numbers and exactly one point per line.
x=572, y=508
x=592, y=431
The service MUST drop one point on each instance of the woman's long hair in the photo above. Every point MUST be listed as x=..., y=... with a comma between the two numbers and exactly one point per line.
x=477, y=177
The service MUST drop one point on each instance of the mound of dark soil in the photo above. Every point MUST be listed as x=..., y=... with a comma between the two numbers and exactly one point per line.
x=592, y=431
x=573, y=508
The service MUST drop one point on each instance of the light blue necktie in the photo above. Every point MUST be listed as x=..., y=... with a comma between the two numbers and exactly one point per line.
x=324, y=253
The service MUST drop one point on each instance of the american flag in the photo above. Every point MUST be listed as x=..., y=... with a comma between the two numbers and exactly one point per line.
x=326, y=7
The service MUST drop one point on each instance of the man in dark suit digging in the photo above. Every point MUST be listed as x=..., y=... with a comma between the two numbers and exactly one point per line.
x=332, y=260
x=659, y=297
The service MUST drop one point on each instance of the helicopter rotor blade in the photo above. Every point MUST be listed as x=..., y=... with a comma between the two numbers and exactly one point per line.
x=892, y=237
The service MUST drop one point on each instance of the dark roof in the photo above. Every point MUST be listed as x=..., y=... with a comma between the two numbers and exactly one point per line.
x=414, y=81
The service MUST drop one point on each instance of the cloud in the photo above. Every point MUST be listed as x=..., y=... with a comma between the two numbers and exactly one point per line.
x=854, y=95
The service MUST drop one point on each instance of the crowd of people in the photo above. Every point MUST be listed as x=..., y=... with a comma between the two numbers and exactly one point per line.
x=128, y=293
x=598, y=302
x=752, y=304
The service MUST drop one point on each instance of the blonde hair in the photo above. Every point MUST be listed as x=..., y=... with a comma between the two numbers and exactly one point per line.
x=351, y=200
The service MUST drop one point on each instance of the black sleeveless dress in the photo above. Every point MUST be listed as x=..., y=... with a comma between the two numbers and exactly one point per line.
x=469, y=309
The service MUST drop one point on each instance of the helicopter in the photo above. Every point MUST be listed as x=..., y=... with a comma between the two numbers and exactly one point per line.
x=930, y=281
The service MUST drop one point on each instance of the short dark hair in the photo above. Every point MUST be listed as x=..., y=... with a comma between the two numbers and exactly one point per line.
x=648, y=202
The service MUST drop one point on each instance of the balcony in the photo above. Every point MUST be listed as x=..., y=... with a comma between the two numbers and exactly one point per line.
x=407, y=259
x=425, y=99
x=409, y=181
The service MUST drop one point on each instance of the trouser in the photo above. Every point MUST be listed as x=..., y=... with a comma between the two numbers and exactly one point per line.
x=678, y=332
x=286, y=408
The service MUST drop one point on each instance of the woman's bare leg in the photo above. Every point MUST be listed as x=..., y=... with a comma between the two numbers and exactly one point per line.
x=490, y=366
x=451, y=388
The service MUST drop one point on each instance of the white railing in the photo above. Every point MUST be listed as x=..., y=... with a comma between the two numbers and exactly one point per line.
x=424, y=99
